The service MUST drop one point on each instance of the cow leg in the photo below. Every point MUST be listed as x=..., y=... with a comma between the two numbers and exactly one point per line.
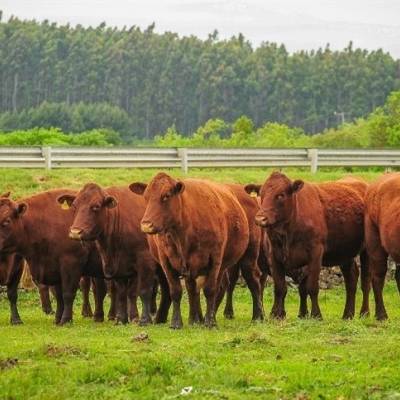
x=397, y=276
x=263, y=284
x=350, y=275
x=251, y=275
x=12, y=295
x=44, y=293
x=60, y=304
x=69, y=289
x=113, y=294
x=221, y=289
x=195, y=313
x=212, y=284
x=377, y=265
x=312, y=284
x=121, y=286
x=165, y=298
x=175, y=290
x=99, y=291
x=365, y=284
x=303, y=309
x=84, y=284
x=132, y=299
x=153, y=305
x=146, y=285
x=280, y=290
x=233, y=274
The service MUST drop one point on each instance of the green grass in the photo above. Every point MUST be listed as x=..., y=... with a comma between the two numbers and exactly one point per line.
x=22, y=182
x=329, y=359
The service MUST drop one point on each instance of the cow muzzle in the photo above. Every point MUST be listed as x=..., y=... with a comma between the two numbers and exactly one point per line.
x=75, y=234
x=148, y=227
x=261, y=220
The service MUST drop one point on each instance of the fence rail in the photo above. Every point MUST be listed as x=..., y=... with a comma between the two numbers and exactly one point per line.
x=185, y=158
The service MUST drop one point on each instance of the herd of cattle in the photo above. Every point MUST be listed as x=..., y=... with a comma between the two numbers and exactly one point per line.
x=130, y=241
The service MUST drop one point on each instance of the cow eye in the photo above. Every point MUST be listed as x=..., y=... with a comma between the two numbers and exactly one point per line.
x=6, y=222
x=95, y=208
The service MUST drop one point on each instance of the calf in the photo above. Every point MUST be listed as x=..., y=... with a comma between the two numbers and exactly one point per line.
x=309, y=225
x=382, y=233
x=111, y=218
x=196, y=230
x=37, y=229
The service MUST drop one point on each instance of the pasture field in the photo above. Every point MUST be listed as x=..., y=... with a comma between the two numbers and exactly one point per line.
x=303, y=359
x=23, y=182
x=291, y=359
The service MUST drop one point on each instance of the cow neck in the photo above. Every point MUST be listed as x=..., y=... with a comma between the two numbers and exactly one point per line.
x=109, y=242
x=177, y=234
x=25, y=236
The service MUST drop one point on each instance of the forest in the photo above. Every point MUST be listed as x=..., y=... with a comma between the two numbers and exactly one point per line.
x=140, y=83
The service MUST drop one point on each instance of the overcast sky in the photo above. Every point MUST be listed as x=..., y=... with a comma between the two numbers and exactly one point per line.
x=299, y=24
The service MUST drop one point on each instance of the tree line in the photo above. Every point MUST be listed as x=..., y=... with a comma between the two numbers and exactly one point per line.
x=379, y=129
x=157, y=80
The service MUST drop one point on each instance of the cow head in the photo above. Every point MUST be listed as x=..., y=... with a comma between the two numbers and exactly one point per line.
x=163, y=196
x=10, y=222
x=89, y=207
x=277, y=199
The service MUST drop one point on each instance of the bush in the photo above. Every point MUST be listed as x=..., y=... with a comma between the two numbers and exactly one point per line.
x=55, y=137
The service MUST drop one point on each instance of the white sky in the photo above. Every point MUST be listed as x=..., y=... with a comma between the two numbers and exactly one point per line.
x=299, y=24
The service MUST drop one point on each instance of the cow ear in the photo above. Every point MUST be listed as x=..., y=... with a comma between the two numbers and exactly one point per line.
x=179, y=187
x=6, y=194
x=21, y=208
x=296, y=186
x=65, y=200
x=252, y=189
x=138, y=187
x=110, y=202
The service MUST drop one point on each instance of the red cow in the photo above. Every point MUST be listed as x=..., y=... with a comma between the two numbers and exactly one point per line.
x=37, y=229
x=382, y=233
x=196, y=230
x=310, y=225
x=111, y=217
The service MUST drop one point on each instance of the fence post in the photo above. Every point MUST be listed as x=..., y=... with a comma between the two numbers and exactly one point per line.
x=183, y=154
x=313, y=156
x=46, y=153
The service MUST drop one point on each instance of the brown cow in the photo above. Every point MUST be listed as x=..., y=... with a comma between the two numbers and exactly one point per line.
x=111, y=217
x=382, y=233
x=37, y=229
x=197, y=229
x=310, y=225
x=252, y=264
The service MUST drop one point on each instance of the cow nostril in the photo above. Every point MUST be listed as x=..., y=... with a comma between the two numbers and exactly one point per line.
x=75, y=233
x=147, y=226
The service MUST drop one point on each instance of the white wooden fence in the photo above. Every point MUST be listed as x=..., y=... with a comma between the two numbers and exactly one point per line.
x=129, y=157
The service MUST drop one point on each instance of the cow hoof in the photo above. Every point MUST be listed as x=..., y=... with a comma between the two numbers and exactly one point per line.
x=258, y=319
x=111, y=317
x=65, y=322
x=381, y=317
x=317, y=317
x=48, y=311
x=98, y=318
x=364, y=314
x=87, y=314
x=303, y=315
x=229, y=315
x=16, y=321
x=348, y=317
x=278, y=316
x=145, y=321
x=176, y=325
